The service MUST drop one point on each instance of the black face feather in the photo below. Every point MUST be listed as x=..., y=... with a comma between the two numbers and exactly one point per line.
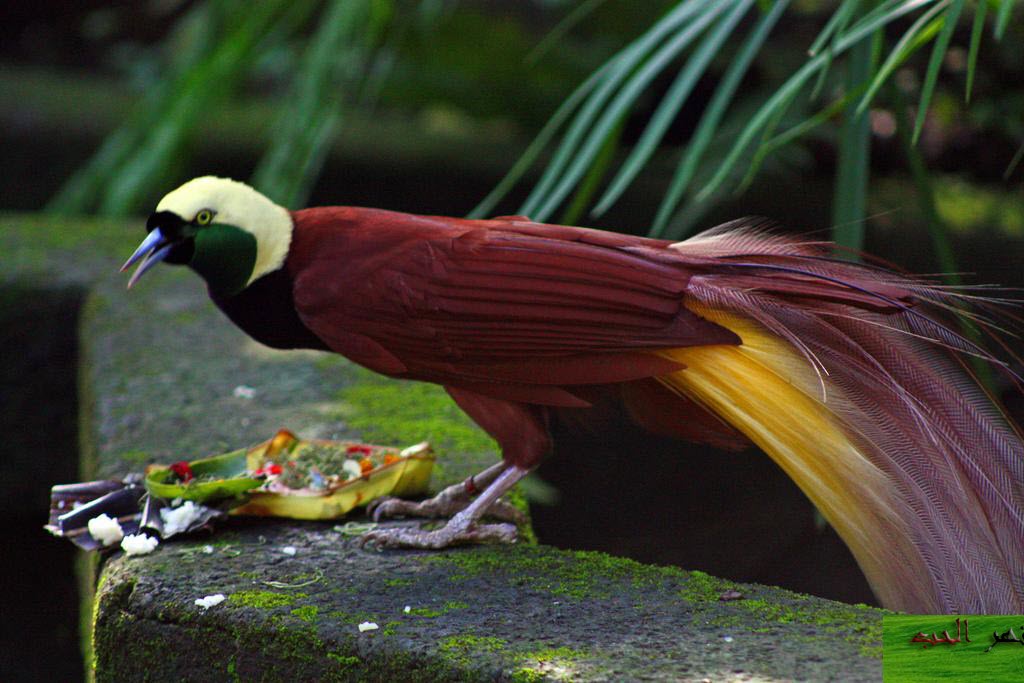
x=224, y=255
x=174, y=229
x=265, y=310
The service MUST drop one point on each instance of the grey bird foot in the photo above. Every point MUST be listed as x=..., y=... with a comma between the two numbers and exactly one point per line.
x=464, y=527
x=451, y=534
x=389, y=507
x=447, y=503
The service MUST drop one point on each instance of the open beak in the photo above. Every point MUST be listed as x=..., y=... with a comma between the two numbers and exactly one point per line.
x=152, y=251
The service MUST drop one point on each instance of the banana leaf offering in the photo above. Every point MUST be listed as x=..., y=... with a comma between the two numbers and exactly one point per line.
x=295, y=478
x=285, y=476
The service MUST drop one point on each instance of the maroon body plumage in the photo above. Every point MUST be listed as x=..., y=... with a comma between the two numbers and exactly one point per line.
x=510, y=316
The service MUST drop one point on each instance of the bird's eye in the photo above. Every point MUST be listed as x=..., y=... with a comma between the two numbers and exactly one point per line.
x=204, y=217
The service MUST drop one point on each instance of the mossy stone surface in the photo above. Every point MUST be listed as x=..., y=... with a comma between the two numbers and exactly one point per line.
x=158, y=370
x=487, y=613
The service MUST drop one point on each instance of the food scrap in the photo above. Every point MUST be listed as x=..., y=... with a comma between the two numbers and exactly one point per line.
x=105, y=529
x=320, y=465
x=139, y=544
x=210, y=600
x=181, y=518
x=242, y=391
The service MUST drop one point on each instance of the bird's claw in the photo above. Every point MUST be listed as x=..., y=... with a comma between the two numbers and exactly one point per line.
x=448, y=535
x=445, y=504
x=389, y=506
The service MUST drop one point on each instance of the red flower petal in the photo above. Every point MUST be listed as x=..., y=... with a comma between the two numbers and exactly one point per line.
x=183, y=470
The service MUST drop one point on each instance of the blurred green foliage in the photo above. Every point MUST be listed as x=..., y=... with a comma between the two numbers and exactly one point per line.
x=870, y=37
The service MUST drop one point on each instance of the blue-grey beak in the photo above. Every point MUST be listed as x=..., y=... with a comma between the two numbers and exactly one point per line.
x=153, y=249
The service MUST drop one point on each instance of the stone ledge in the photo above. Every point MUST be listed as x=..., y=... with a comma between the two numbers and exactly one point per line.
x=158, y=369
x=522, y=613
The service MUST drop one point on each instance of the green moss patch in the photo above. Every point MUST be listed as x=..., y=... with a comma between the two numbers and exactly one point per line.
x=306, y=613
x=403, y=413
x=263, y=599
x=457, y=649
x=543, y=664
x=344, y=661
x=701, y=589
x=579, y=575
x=432, y=613
x=846, y=622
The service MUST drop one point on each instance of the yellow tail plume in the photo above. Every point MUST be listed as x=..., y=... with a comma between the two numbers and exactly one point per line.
x=771, y=393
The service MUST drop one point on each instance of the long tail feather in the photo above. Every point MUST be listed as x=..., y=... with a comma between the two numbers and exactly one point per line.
x=850, y=380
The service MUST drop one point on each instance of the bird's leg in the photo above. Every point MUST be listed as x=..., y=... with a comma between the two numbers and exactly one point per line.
x=463, y=527
x=522, y=433
x=449, y=501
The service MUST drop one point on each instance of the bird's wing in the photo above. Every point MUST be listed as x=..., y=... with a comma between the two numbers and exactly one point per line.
x=503, y=301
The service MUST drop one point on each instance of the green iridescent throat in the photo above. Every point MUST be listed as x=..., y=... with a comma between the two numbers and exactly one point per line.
x=225, y=256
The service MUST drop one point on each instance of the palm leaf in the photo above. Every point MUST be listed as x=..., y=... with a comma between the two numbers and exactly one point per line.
x=587, y=188
x=309, y=121
x=938, y=53
x=710, y=120
x=81, y=192
x=885, y=13
x=835, y=27
x=193, y=95
x=137, y=157
x=972, y=53
x=798, y=131
x=539, y=143
x=1003, y=18
x=634, y=68
x=919, y=33
x=589, y=117
x=849, y=197
x=670, y=105
x=559, y=30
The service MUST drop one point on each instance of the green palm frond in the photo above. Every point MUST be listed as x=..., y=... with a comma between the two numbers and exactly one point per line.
x=633, y=69
x=972, y=54
x=1003, y=19
x=133, y=157
x=853, y=162
x=334, y=62
x=688, y=40
x=712, y=118
x=680, y=91
x=225, y=39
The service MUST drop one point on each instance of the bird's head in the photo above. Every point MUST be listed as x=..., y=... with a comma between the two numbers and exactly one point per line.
x=223, y=229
